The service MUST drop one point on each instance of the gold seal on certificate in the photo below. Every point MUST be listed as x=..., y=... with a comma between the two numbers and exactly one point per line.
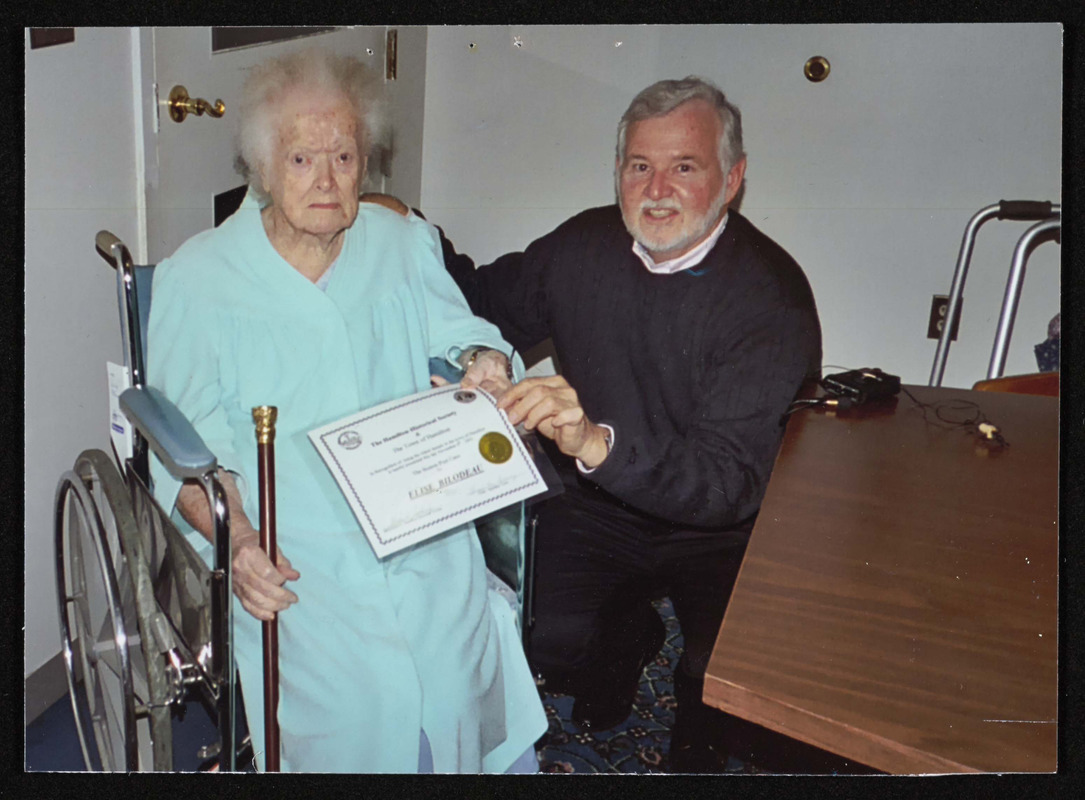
x=495, y=447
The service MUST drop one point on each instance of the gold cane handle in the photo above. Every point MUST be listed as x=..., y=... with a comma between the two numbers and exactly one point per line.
x=264, y=417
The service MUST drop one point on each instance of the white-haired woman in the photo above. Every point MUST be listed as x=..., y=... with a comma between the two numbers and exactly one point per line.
x=303, y=301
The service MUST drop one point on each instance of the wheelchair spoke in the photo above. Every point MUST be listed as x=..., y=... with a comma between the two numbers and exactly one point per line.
x=100, y=719
x=107, y=712
x=112, y=666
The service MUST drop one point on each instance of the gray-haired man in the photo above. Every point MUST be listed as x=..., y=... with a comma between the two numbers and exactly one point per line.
x=683, y=334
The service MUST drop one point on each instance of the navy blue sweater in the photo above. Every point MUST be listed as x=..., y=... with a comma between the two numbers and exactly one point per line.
x=693, y=370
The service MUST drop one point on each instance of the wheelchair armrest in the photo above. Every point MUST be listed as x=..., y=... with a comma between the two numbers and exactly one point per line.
x=441, y=368
x=169, y=433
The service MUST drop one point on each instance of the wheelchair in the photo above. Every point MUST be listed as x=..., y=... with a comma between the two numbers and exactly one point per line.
x=146, y=625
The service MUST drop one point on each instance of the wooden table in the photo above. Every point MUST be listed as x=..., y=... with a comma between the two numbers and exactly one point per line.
x=898, y=600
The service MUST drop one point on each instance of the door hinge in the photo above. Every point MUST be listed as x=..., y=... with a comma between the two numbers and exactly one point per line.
x=390, y=55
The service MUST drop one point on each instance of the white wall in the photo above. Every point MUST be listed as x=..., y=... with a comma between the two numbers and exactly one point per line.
x=868, y=178
x=80, y=178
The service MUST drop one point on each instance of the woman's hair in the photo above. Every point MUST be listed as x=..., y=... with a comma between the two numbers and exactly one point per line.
x=313, y=70
x=665, y=96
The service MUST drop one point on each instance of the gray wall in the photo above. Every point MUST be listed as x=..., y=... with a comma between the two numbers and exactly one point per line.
x=868, y=178
x=80, y=178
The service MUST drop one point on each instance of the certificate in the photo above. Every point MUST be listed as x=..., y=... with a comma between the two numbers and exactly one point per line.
x=419, y=466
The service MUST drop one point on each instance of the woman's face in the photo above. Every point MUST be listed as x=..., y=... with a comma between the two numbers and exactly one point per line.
x=315, y=165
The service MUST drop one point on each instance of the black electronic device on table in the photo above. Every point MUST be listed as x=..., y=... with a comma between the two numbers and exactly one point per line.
x=861, y=385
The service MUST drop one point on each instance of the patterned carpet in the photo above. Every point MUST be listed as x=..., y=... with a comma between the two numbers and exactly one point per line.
x=641, y=744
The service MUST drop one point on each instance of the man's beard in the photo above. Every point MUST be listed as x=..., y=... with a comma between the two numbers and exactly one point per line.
x=691, y=231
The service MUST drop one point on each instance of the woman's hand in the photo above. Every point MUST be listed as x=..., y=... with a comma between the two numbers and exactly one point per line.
x=489, y=371
x=386, y=200
x=257, y=582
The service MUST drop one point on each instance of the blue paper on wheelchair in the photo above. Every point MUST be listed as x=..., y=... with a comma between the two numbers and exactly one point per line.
x=416, y=467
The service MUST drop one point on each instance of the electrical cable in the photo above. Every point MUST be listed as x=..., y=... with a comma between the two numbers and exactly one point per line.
x=955, y=414
x=830, y=402
x=970, y=419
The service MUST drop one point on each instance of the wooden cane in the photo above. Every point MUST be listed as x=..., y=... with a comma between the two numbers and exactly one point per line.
x=264, y=417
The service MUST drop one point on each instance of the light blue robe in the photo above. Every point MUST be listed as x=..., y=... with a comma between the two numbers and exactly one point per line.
x=374, y=651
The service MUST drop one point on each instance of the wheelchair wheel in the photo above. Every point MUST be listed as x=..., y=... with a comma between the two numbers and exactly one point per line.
x=100, y=630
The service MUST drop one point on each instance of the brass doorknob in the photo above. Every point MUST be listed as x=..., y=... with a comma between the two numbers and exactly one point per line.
x=181, y=105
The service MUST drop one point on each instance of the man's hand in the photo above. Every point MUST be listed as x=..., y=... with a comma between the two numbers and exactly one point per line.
x=257, y=582
x=489, y=371
x=551, y=407
x=386, y=200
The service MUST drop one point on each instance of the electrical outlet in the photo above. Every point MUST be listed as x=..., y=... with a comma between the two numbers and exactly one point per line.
x=937, y=321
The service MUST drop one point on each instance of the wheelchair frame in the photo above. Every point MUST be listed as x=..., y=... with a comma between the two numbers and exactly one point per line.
x=129, y=613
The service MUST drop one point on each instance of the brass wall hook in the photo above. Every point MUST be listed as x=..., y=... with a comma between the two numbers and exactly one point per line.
x=181, y=105
x=816, y=69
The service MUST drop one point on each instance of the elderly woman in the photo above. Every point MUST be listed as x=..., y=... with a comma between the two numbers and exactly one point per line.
x=305, y=301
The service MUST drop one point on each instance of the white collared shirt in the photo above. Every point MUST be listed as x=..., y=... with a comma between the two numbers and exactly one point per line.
x=610, y=446
x=325, y=277
x=684, y=261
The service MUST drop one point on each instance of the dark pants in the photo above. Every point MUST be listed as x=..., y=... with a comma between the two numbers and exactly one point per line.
x=598, y=566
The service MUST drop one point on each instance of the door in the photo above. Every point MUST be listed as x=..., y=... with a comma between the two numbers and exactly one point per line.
x=188, y=164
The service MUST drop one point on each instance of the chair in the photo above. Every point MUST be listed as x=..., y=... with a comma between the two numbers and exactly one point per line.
x=145, y=624
x=1041, y=383
x=507, y=537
